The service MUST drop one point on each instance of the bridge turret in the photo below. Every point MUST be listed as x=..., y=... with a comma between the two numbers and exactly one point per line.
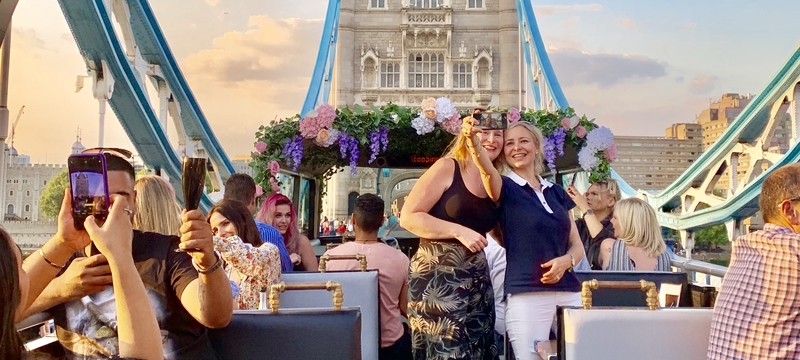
x=509, y=55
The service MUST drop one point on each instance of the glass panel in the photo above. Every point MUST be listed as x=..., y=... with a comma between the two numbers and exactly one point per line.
x=304, y=206
x=383, y=67
x=441, y=81
x=425, y=67
x=469, y=80
x=410, y=57
x=441, y=67
x=480, y=3
x=425, y=57
x=287, y=184
x=382, y=3
x=441, y=57
x=419, y=80
x=411, y=82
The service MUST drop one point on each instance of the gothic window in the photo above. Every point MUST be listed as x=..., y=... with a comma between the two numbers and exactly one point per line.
x=475, y=4
x=462, y=75
x=390, y=75
x=484, y=77
x=375, y=4
x=10, y=209
x=427, y=4
x=426, y=70
x=369, y=73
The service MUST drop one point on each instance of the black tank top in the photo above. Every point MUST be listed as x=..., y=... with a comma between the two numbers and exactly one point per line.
x=458, y=205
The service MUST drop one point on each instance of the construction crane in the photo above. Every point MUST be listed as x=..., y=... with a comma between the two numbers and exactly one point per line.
x=14, y=128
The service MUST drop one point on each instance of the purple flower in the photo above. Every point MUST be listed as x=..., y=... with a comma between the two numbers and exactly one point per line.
x=354, y=155
x=550, y=153
x=293, y=152
x=384, y=138
x=344, y=142
x=374, y=145
x=559, y=137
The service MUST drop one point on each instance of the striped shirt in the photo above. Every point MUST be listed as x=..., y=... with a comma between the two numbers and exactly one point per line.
x=757, y=313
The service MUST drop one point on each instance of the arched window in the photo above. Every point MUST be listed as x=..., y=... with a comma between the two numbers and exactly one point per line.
x=10, y=209
x=369, y=74
x=351, y=202
x=11, y=193
x=484, y=77
x=27, y=208
x=426, y=70
x=27, y=193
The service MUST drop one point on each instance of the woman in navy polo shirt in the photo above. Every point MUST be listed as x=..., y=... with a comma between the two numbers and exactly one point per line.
x=541, y=240
x=450, y=297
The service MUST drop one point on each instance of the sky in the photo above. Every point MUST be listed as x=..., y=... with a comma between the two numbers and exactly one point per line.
x=636, y=66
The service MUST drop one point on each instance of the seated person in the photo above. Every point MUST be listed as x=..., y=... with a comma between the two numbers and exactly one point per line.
x=253, y=265
x=23, y=282
x=638, y=244
x=188, y=290
x=597, y=206
x=392, y=266
x=757, y=312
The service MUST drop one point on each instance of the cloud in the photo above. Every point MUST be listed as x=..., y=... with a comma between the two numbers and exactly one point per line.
x=689, y=26
x=569, y=22
x=576, y=67
x=212, y=3
x=628, y=24
x=702, y=83
x=547, y=10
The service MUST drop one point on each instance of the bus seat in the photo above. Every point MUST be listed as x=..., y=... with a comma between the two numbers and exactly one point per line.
x=633, y=333
x=634, y=297
x=360, y=289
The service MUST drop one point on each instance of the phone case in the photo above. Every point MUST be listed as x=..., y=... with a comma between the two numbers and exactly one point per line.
x=77, y=164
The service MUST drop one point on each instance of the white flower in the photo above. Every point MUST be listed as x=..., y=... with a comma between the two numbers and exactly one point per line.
x=586, y=158
x=422, y=124
x=574, y=121
x=395, y=118
x=599, y=139
x=444, y=109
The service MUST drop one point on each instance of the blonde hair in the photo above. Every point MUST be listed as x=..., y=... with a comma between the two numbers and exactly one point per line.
x=538, y=139
x=612, y=187
x=639, y=226
x=156, y=208
x=458, y=150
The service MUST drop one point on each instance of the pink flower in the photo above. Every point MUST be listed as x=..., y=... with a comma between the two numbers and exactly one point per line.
x=259, y=190
x=274, y=167
x=275, y=188
x=429, y=103
x=261, y=146
x=326, y=114
x=565, y=123
x=611, y=153
x=580, y=131
x=452, y=124
x=309, y=127
x=513, y=115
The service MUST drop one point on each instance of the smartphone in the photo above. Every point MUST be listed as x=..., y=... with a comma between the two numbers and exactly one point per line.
x=88, y=182
x=491, y=120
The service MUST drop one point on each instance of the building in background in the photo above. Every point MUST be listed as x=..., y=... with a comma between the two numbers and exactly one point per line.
x=652, y=163
x=402, y=52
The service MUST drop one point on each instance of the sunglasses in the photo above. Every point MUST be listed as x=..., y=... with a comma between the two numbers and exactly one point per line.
x=118, y=152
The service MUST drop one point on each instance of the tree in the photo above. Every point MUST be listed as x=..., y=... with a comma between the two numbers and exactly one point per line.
x=711, y=236
x=53, y=195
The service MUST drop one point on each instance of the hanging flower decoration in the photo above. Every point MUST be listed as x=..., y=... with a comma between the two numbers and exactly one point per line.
x=370, y=137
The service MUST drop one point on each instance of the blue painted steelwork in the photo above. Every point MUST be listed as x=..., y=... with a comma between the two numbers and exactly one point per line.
x=91, y=25
x=323, y=70
x=536, y=44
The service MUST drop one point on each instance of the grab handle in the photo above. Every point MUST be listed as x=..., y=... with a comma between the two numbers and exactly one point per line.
x=648, y=287
x=276, y=289
x=323, y=260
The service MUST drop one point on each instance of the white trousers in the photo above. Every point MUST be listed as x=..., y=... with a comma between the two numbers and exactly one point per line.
x=529, y=317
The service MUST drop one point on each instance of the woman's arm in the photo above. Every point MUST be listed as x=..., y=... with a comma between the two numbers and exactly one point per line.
x=561, y=264
x=490, y=177
x=593, y=224
x=605, y=253
x=425, y=193
x=307, y=256
x=261, y=263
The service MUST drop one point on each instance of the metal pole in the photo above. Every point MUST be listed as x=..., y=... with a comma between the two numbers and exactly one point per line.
x=5, y=62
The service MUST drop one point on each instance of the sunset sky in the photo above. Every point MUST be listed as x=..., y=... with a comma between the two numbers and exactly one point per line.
x=635, y=66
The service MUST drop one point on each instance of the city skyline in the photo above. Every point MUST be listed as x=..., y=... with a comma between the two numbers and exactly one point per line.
x=636, y=68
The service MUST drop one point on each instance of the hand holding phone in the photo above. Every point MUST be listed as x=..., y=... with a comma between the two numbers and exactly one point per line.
x=88, y=187
x=490, y=120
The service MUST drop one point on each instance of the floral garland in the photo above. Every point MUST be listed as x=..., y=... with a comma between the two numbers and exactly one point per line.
x=309, y=141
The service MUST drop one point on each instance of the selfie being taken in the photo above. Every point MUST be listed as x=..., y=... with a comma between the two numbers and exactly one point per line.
x=399, y=179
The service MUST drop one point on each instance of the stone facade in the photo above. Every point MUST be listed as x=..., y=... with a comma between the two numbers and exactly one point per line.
x=402, y=51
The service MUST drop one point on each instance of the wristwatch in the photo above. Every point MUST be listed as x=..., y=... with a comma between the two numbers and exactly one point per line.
x=589, y=212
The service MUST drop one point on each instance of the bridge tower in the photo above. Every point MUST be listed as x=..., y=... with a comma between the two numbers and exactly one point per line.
x=403, y=51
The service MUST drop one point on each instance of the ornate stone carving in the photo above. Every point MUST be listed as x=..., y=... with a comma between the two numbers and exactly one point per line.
x=390, y=99
x=415, y=99
x=427, y=40
x=483, y=98
x=462, y=99
x=426, y=18
x=369, y=97
x=462, y=50
x=390, y=50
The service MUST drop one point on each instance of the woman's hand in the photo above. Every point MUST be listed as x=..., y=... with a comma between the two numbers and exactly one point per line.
x=469, y=131
x=114, y=239
x=472, y=240
x=557, y=267
x=296, y=259
x=578, y=198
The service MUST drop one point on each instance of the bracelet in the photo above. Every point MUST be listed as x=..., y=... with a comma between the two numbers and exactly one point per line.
x=41, y=252
x=210, y=269
x=571, y=261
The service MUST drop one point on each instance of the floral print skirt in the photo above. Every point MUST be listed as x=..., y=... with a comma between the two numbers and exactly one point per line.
x=450, y=303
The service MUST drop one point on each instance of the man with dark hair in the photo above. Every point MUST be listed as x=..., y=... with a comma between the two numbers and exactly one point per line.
x=242, y=188
x=392, y=266
x=188, y=290
x=757, y=312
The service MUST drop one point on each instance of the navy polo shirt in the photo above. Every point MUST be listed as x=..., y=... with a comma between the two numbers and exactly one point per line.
x=537, y=226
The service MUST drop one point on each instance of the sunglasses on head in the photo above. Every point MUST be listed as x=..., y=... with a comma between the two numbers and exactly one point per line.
x=118, y=152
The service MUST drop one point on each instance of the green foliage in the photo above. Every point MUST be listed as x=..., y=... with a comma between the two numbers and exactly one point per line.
x=53, y=195
x=716, y=235
x=359, y=123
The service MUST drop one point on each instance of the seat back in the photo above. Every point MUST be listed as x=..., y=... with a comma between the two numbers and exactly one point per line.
x=360, y=290
x=633, y=333
x=634, y=297
x=290, y=334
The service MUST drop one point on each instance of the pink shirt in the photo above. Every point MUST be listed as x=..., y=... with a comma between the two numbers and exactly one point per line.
x=392, y=266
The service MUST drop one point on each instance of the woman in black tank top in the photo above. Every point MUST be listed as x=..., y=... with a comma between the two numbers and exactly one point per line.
x=450, y=298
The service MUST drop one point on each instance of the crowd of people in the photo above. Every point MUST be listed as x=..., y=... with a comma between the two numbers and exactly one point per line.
x=498, y=243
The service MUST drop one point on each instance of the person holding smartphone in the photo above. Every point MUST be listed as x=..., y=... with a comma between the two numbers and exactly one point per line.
x=541, y=240
x=188, y=291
